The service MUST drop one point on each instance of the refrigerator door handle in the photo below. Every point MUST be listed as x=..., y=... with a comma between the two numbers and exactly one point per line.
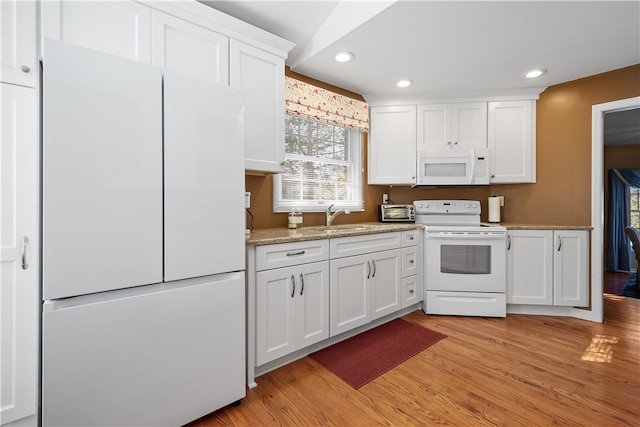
x=25, y=242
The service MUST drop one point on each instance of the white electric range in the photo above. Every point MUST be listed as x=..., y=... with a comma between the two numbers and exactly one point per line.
x=464, y=259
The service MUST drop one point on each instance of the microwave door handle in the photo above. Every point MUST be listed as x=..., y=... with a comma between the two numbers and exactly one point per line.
x=473, y=167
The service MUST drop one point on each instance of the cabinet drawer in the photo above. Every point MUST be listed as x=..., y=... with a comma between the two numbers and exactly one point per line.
x=409, y=261
x=358, y=245
x=411, y=291
x=286, y=254
x=410, y=237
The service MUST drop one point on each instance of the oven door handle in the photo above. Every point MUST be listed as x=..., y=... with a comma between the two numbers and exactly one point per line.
x=451, y=236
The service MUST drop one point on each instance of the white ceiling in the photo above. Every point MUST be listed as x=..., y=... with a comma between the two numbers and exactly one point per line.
x=448, y=48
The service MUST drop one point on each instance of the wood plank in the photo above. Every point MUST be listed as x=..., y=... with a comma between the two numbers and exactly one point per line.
x=520, y=370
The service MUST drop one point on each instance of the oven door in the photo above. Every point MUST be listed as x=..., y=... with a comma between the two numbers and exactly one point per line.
x=465, y=261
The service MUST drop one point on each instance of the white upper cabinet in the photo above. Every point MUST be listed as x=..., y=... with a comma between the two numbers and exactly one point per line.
x=189, y=49
x=461, y=125
x=260, y=75
x=119, y=28
x=18, y=35
x=392, y=145
x=511, y=141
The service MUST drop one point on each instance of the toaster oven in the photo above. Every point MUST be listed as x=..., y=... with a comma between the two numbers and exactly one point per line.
x=397, y=213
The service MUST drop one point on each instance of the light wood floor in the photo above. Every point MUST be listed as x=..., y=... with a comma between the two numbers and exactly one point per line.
x=519, y=371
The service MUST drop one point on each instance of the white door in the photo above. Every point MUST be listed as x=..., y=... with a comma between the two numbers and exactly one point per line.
x=275, y=313
x=434, y=126
x=530, y=267
x=19, y=59
x=19, y=299
x=571, y=268
x=386, y=286
x=313, y=303
x=511, y=141
x=469, y=124
x=261, y=77
x=392, y=145
x=102, y=172
x=350, y=300
x=189, y=49
x=204, y=216
x=121, y=28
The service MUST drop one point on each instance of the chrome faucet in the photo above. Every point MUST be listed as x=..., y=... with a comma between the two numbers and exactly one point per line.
x=331, y=216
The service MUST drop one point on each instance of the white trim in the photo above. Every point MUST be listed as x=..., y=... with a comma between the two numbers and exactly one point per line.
x=596, y=314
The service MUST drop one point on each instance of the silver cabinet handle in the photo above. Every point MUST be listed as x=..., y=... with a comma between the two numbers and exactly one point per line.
x=296, y=253
x=301, y=283
x=411, y=261
x=374, y=268
x=410, y=291
x=25, y=69
x=368, y=269
x=293, y=282
x=559, y=243
x=508, y=242
x=25, y=242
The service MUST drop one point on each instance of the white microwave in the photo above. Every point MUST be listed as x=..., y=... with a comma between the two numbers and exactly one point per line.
x=455, y=166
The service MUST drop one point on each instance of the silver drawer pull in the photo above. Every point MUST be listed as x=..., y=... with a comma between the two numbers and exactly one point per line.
x=410, y=261
x=410, y=291
x=296, y=253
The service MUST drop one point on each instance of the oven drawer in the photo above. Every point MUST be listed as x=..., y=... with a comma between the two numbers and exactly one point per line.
x=466, y=303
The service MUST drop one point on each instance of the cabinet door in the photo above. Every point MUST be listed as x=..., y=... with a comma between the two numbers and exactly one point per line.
x=469, y=125
x=571, y=267
x=530, y=267
x=392, y=145
x=275, y=313
x=121, y=28
x=20, y=250
x=511, y=141
x=312, y=303
x=350, y=302
x=18, y=34
x=189, y=49
x=434, y=126
x=386, y=285
x=261, y=76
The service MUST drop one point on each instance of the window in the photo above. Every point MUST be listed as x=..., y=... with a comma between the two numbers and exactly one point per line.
x=323, y=166
x=634, y=206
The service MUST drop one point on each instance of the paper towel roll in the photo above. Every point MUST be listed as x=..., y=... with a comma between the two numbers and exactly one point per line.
x=494, y=208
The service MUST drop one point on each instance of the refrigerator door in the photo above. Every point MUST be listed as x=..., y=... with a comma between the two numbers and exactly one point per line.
x=156, y=355
x=102, y=172
x=204, y=214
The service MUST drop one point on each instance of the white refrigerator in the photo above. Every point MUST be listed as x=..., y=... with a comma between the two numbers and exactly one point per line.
x=142, y=243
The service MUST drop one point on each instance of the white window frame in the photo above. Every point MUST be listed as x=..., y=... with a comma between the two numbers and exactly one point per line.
x=355, y=164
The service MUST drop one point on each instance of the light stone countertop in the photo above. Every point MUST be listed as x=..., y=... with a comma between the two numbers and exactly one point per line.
x=519, y=226
x=268, y=236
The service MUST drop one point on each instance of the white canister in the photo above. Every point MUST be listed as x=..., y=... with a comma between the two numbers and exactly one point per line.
x=494, y=208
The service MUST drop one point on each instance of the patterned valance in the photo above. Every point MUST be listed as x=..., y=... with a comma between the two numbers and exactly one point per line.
x=303, y=99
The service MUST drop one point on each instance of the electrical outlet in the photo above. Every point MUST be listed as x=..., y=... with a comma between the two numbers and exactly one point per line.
x=247, y=199
x=385, y=198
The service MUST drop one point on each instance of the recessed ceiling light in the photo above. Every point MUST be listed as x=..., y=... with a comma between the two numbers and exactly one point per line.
x=344, y=57
x=535, y=73
x=404, y=83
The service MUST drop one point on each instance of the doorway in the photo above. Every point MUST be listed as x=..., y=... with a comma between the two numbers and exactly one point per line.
x=597, y=202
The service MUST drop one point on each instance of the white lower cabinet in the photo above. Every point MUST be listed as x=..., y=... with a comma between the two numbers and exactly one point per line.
x=292, y=298
x=303, y=293
x=547, y=267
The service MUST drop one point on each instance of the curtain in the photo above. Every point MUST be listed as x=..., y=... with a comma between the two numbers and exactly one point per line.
x=617, y=240
x=315, y=103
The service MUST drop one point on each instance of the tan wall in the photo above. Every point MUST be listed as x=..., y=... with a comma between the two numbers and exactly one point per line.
x=562, y=193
